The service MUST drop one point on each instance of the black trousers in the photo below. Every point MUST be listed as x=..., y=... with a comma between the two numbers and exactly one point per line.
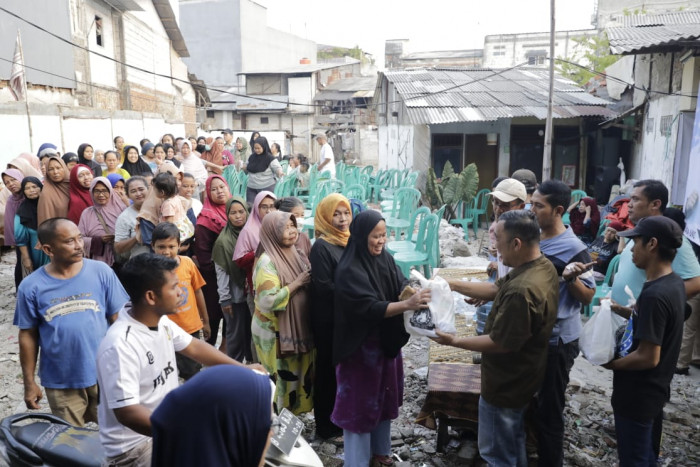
x=325, y=385
x=550, y=402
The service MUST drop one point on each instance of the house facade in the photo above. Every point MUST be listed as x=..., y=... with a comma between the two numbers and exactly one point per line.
x=494, y=118
x=123, y=75
x=658, y=75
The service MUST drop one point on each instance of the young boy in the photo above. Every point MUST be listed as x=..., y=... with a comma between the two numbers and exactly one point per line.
x=187, y=190
x=642, y=379
x=135, y=367
x=191, y=313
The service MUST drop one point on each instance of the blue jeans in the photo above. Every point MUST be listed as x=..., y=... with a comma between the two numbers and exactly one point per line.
x=502, y=435
x=635, y=446
x=360, y=447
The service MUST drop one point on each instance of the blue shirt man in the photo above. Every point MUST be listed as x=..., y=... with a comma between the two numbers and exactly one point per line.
x=62, y=311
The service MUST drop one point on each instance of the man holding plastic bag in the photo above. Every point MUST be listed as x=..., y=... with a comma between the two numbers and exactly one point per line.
x=515, y=339
x=642, y=379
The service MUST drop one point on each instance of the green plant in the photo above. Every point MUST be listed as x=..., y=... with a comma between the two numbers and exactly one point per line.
x=452, y=187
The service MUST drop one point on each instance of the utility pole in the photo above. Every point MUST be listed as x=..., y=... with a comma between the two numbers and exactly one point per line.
x=547, y=156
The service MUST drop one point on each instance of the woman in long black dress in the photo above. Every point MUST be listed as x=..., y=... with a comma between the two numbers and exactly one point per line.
x=332, y=227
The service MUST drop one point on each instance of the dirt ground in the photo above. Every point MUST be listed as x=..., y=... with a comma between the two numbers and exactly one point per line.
x=590, y=437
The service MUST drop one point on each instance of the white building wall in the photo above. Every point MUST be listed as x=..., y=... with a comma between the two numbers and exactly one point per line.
x=395, y=148
x=102, y=70
x=146, y=49
x=300, y=92
x=263, y=47
x=654, y=156
x=506, y=50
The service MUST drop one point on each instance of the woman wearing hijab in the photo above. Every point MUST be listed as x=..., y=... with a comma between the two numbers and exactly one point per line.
x=230, y=408
x=248, y=240
x=217, y=157
x=26, y=226
x=55, y=196
x=210, y=222
x=262, y=168
x=86, y=154
x=12, y=179
x=585, y=219
x=295, y=206
x=367, y=341
x=133, y=162
x=97, y=222
x=255, y=135
x=231, y=283
x=242, y=150
x=193, y=165
x=332, y=227
x=27, y=164
x=80, y=197
x=281, y=328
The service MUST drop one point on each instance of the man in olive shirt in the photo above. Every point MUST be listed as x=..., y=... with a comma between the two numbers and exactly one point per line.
x=515, y=339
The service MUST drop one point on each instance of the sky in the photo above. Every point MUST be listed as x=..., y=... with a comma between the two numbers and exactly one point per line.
x=432, y=25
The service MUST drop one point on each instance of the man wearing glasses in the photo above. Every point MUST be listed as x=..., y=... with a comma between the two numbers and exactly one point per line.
x=509, y=195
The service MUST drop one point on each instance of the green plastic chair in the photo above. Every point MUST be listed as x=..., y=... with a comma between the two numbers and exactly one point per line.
x=356, y=191
x=405, y=202
x=481, y=204
x=441, y=212
x=367, y=170
x=306, y=194
x=418, y=216
x=467, y=217
x=576, y=196
x=381, y=182
x=603, y=289
x=325, y=188
x=425, y=251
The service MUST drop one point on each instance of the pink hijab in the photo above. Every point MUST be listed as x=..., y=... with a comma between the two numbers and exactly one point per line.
x=249, y=237
x=11, y=206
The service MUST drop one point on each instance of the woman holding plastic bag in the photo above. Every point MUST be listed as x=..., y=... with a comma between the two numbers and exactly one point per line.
x=369, y=334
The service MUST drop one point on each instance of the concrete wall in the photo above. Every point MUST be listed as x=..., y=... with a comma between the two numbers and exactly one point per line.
x=67, y=128
x=506, y=50
x=41, y=51
x=263, y=47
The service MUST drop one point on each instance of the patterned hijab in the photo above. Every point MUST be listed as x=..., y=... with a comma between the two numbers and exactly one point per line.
x=323, y=221
x=294, y=323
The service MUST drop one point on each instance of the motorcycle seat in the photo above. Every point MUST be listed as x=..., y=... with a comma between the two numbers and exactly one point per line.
x=61, y=445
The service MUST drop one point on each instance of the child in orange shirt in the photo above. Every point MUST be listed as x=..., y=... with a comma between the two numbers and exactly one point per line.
x=192, y=314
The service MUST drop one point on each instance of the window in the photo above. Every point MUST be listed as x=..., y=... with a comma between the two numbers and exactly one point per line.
x=665, y=124
x=264, y=120
x=650, y=125
x=211, y=114
x=536, y=60
x=98, y=31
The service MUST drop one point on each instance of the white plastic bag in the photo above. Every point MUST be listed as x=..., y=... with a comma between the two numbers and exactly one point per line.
x=440, y=313
x=597, y=339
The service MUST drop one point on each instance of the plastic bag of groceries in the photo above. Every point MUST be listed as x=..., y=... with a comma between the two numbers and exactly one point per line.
x=597, y=339
x=440, y=313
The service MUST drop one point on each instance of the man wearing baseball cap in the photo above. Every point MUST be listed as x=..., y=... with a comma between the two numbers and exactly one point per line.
x=529, y=179
x=229, y=145
x=508, y=195
x=642, y=379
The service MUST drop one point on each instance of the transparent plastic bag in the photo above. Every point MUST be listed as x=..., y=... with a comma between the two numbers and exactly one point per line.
x=597, y=339
x=440, y=313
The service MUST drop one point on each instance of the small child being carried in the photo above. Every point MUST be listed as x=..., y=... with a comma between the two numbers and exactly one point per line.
x=172, y=209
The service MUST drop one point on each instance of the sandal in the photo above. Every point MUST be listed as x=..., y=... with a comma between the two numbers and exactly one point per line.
x=381, y=461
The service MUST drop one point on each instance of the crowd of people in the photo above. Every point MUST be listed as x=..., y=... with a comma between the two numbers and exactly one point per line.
x=131, y=263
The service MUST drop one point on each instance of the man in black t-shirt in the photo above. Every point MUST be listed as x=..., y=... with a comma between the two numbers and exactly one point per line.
x=642, y=379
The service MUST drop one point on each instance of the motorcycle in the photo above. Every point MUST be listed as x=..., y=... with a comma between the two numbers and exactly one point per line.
x=43, y=439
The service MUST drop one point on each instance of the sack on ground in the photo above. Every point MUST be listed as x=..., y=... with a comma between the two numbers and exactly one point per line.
x=440, y=313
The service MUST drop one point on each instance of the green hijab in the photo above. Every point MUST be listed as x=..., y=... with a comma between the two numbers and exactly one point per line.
x=222, y=254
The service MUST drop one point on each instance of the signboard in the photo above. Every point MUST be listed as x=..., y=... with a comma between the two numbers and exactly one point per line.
x=692, y=194
x=290, y=427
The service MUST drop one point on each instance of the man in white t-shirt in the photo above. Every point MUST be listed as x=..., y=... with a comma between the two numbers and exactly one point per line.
x=136, y=360
x=327, y=160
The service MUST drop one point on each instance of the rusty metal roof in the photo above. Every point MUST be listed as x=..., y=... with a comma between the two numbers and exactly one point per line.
x=446, y=95
x=649, y=33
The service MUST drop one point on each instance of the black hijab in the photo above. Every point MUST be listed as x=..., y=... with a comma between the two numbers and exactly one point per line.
x=139, y=167
x=94, y=166
x=260, y=162
x=27, y=211
x=369, y=284
x=253, y=138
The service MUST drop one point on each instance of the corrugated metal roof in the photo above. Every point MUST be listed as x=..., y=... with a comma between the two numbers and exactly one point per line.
x=353, y=84
x=644, y=33
x=446, y=95
x=333, y=96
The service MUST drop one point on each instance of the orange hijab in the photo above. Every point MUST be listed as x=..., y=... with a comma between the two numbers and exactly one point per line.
x=323, y=220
